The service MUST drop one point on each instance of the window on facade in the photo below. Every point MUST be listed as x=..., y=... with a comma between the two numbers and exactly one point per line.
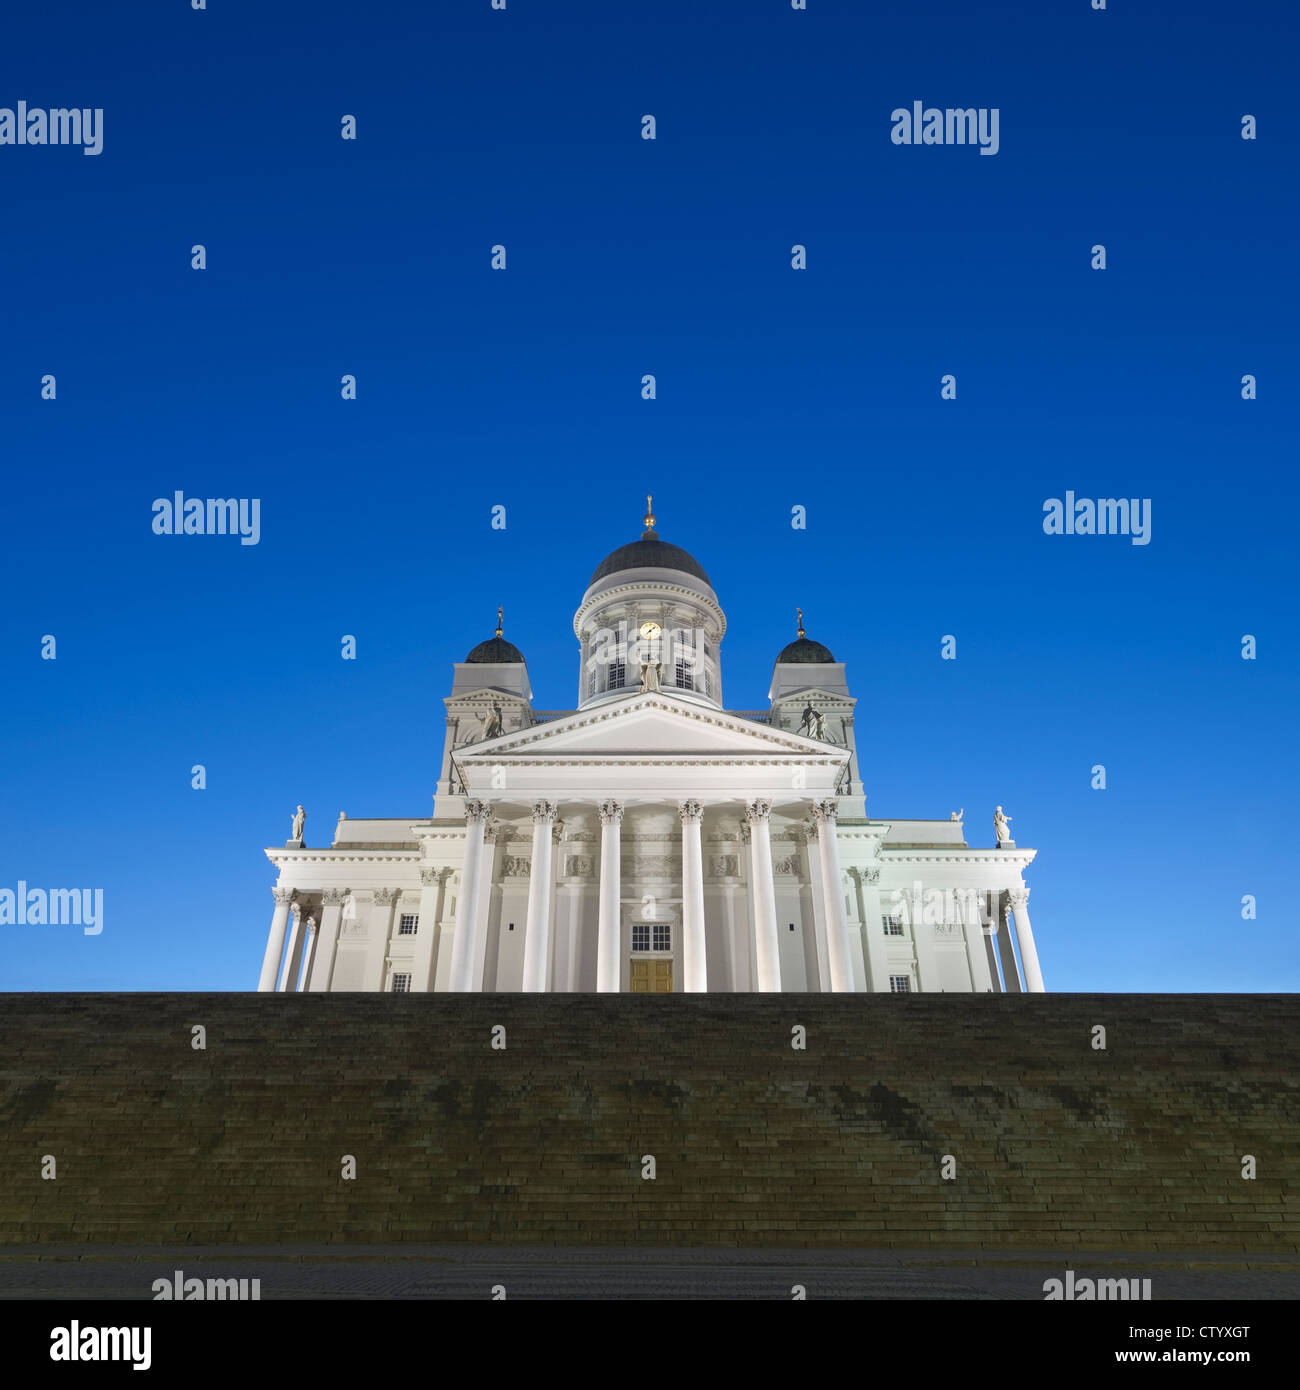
x=893, y=926
x=401, y=984
x=900, y=984
x=708, y=681
x=617, y=675
x=682, y=676
x=663, y=937
x=640, y=936
x=591, y=683
x=409, y=923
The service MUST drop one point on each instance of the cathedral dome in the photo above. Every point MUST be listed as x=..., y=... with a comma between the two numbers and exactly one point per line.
x=804, y=649
x=649, y=553
x=495, y=650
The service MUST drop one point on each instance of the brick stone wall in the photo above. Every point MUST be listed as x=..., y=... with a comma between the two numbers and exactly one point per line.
x=1056, y=1145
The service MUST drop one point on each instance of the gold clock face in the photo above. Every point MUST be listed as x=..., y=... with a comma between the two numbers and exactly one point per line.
x=649, y=631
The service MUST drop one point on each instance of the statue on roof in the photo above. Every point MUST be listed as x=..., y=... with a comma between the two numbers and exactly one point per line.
x=650, y=673
x=299, y=820
x=493, y=725
x=1001, y=826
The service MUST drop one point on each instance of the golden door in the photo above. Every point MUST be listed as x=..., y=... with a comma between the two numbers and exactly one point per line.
x=651, y=977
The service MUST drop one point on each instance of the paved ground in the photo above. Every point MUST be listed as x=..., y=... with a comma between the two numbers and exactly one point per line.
x=440, y=1272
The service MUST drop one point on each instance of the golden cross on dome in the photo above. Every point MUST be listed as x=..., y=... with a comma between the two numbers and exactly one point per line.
x=649, y=533
x=500, y=612
x=800, y=613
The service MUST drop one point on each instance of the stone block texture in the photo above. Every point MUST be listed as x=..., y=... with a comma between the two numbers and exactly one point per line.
x=841, y=1145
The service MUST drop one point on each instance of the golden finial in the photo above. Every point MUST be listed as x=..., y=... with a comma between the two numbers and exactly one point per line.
x=649, y=533
x=800, y=613
x=500, y=612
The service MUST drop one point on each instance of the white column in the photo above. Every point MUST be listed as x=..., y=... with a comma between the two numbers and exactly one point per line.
x=275, y=941
x=972, y=930
x=873, y=928
x=537, y=930
x=693, y=963
x=289, y=980
x=489, y=896
x=762, y=887
x=320, y=968
x=927, y=962
x=609, y=932
x=1025, y=936
x=837, y=949
x=426, y=931
x=309, y=951
x=1010, y=973
x=380, y=929
x=463, y=946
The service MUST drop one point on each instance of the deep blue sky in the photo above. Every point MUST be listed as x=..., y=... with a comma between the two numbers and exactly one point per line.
x=775, y=388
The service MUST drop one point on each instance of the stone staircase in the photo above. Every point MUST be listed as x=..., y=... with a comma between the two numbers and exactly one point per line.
x=1056, y=1145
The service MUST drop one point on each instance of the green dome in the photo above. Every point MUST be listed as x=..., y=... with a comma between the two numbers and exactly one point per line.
x=494, y=651
x=649, y=553
x=805, y=649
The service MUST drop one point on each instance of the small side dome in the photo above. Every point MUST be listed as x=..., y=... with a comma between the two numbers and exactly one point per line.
x=804, y=649
x=496, y=650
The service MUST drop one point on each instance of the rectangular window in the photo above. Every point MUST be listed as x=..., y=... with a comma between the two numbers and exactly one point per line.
x=407, y=926
x=682, y=676
x=401, y=984
x=900, y=984
x=617, y=675
x=663, y=937
x=893, y=926
x=708, y=681
x=640, y=936
x=591, y=683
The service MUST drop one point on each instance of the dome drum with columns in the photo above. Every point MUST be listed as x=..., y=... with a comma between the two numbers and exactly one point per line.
x=650, y=840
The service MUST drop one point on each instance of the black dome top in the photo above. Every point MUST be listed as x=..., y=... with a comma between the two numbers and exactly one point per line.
x=495, y=650
x=649, y=553
x=805, y=649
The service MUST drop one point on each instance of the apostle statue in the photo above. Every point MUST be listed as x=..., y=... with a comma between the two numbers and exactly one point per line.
x=492, y=724
x=1001, y=828
x=299, y=820
x=650, y=672
x=820, y=728
x=809, y=721
x=957, y=815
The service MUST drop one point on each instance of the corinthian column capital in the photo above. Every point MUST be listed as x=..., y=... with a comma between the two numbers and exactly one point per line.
x=543, y=812
x=611, y=812
x=691, y=812
x=757, y=811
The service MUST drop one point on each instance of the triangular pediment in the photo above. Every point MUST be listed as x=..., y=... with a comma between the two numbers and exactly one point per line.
x=651, y=726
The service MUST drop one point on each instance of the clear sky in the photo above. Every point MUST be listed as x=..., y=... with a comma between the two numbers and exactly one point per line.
x=776, y=388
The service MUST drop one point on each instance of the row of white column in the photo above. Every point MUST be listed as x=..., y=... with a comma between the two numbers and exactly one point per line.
x=609, y=938
x=306, y=937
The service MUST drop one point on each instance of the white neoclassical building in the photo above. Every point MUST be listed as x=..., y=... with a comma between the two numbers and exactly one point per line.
x=650, y=840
